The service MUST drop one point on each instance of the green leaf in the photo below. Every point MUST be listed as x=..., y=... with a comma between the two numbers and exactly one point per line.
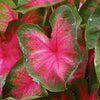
x=20, y=85
x=97, y=60
x=77, y=3
x=92, y=32
x=87, y=9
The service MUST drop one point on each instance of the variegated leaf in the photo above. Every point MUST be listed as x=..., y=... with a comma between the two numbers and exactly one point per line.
x=52, y=61
x=28, y=5
x=20, y=85
x=6, y=15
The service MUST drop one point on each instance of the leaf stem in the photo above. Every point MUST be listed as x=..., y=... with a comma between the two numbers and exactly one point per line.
x=45, y=16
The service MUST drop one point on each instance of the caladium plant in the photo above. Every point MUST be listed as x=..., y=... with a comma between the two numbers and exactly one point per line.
x=49, y=50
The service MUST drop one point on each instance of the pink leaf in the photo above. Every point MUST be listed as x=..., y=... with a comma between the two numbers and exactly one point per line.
x=9, y=50
x=6, y=15
x=50, y=60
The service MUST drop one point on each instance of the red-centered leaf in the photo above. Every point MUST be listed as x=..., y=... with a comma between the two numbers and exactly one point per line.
x=28, y=5
x=20, y=85
x=9, y=49
x=6, y=15
x=79, y=86
x=81, y=70
x=52, y=61
x=34, y=16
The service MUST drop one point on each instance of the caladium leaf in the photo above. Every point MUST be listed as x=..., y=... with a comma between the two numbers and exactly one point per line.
x=6, y=15
x=97, y=60
x=9, y=49
x=92, y=32
x=80, y=88
x=52, y=61
x=20, y=85
x=28, y=5
x=87, y=9
x=34, y=16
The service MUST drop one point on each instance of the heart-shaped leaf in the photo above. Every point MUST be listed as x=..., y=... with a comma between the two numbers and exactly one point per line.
x=92, y=32
x=28, y=5
x=20, y=85
x=52, y=61
x=87, y=9
x=6, y=15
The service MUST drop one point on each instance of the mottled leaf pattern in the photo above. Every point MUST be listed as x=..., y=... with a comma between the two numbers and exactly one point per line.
x=6, y=15
x=20, y=85
x=53, y=60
